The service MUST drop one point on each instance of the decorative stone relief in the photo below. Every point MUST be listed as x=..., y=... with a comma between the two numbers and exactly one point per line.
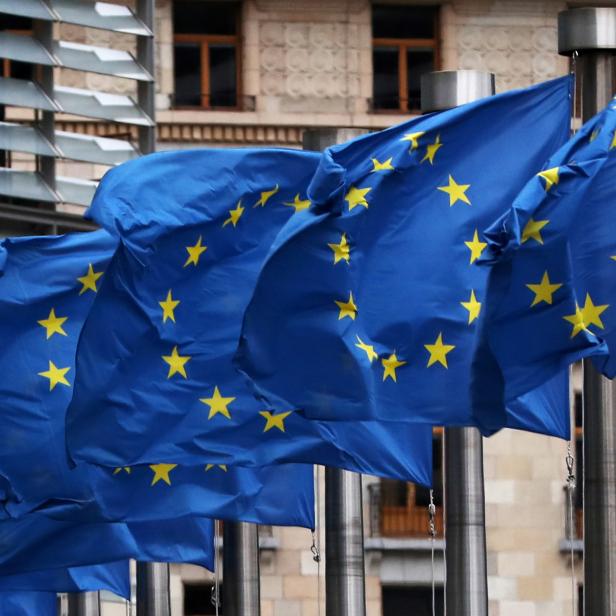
x=308, y=60
x=517, y=55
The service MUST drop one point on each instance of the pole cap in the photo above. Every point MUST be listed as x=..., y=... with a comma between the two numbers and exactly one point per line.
x=442, y=90
x=587, y=29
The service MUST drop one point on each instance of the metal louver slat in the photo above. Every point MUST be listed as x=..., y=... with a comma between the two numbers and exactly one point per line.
x=26, y=185
x=114, y=107
x=21, y=93
x=24, y=49
x=36, y=9
x=100, y=150
x=102, y=15
x=72, y=190
x=100, y=60
x=21, y=138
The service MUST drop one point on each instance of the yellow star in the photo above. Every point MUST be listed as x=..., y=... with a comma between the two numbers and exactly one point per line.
x=577, y=320
x=218, y=404
x=161, y=473
x=384, y=166
x=176, y=362
x=544, y=290
x=194, y=253
x=126, y=469
x=368, y=348
x=390, y=364
x=592, y=314
x=438, y=351
x=168, y=306
x=473, y=307
x=550, y=176
x=234, y=215
x=357, y=196
x=53, y=324
x=413, y=138
x=613, y=258
x=432, y=149
x=221, y=466
x=476, y=247
x=266, y=195
x=342, y=251
x=613, y=144
x=347, y=309
x=594, y=135
x=456, y=192
x=273, y=420
x=299, y=204
x=55, y=375
x=532, y=230
x=89, y=280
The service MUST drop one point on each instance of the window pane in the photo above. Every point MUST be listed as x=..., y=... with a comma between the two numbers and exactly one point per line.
x=223, y=87
x=385, y=81
x=14, y=22
x=198, y=17
x=416, y=600
x=418, y=62
x=403, y=21
x=187, y=58
x=393, y=493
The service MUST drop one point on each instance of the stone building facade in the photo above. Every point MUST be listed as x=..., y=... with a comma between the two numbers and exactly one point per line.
x=309, y=64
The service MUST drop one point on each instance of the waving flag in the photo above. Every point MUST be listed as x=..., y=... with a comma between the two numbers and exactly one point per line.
x=27, y=603
x=368, y=308
x=155, y=380
x=552, y=289
x=46, y=290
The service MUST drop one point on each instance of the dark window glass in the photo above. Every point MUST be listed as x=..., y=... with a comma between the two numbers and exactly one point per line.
x=393, y=493
x=578, y=495
x=187, y=58
x=223, y=71
x=13, y=22
x=385, y=63
x=202, y=17
x=198, y=599
x=578, y=409
x=416, y=600
x=403, y=21
x=418, y=62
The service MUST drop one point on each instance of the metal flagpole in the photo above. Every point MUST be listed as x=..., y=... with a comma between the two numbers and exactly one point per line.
x=240, y=561
x=153, y=589
x=466, y=575
x=591, y=32
x=345, y=593
x=84, y=604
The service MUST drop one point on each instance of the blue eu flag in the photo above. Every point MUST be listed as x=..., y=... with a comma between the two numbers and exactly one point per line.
x=552, y=288
x=155, y=379
x=369, y=306
x=28, y=603
x=46, y=290
x=114, y=577
x=36, y=542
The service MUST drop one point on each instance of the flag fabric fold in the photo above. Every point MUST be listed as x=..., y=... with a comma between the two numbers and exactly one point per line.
x=28, y=603
x=369, y=309
x=552, y=258
x=155, y=379
x=47, y=286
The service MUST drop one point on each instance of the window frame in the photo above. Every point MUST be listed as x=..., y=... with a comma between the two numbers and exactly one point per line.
x=403, y=45
x=204, y=41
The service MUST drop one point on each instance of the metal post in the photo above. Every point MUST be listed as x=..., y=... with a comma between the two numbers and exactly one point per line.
x=84, y=604
x=467, y=582
x=592, y=33
x=153, y=589
x=241, y=594
x=146, y=90
x=345, y=592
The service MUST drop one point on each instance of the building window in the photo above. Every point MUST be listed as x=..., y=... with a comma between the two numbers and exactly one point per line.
x=198, y=599
x=206, y=53
x=13, y=68
x=416, y=600
x=403, y=507
x=404, y=46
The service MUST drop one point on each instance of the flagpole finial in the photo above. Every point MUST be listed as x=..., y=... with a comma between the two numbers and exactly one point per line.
x=587, y=29
x=442, y=90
